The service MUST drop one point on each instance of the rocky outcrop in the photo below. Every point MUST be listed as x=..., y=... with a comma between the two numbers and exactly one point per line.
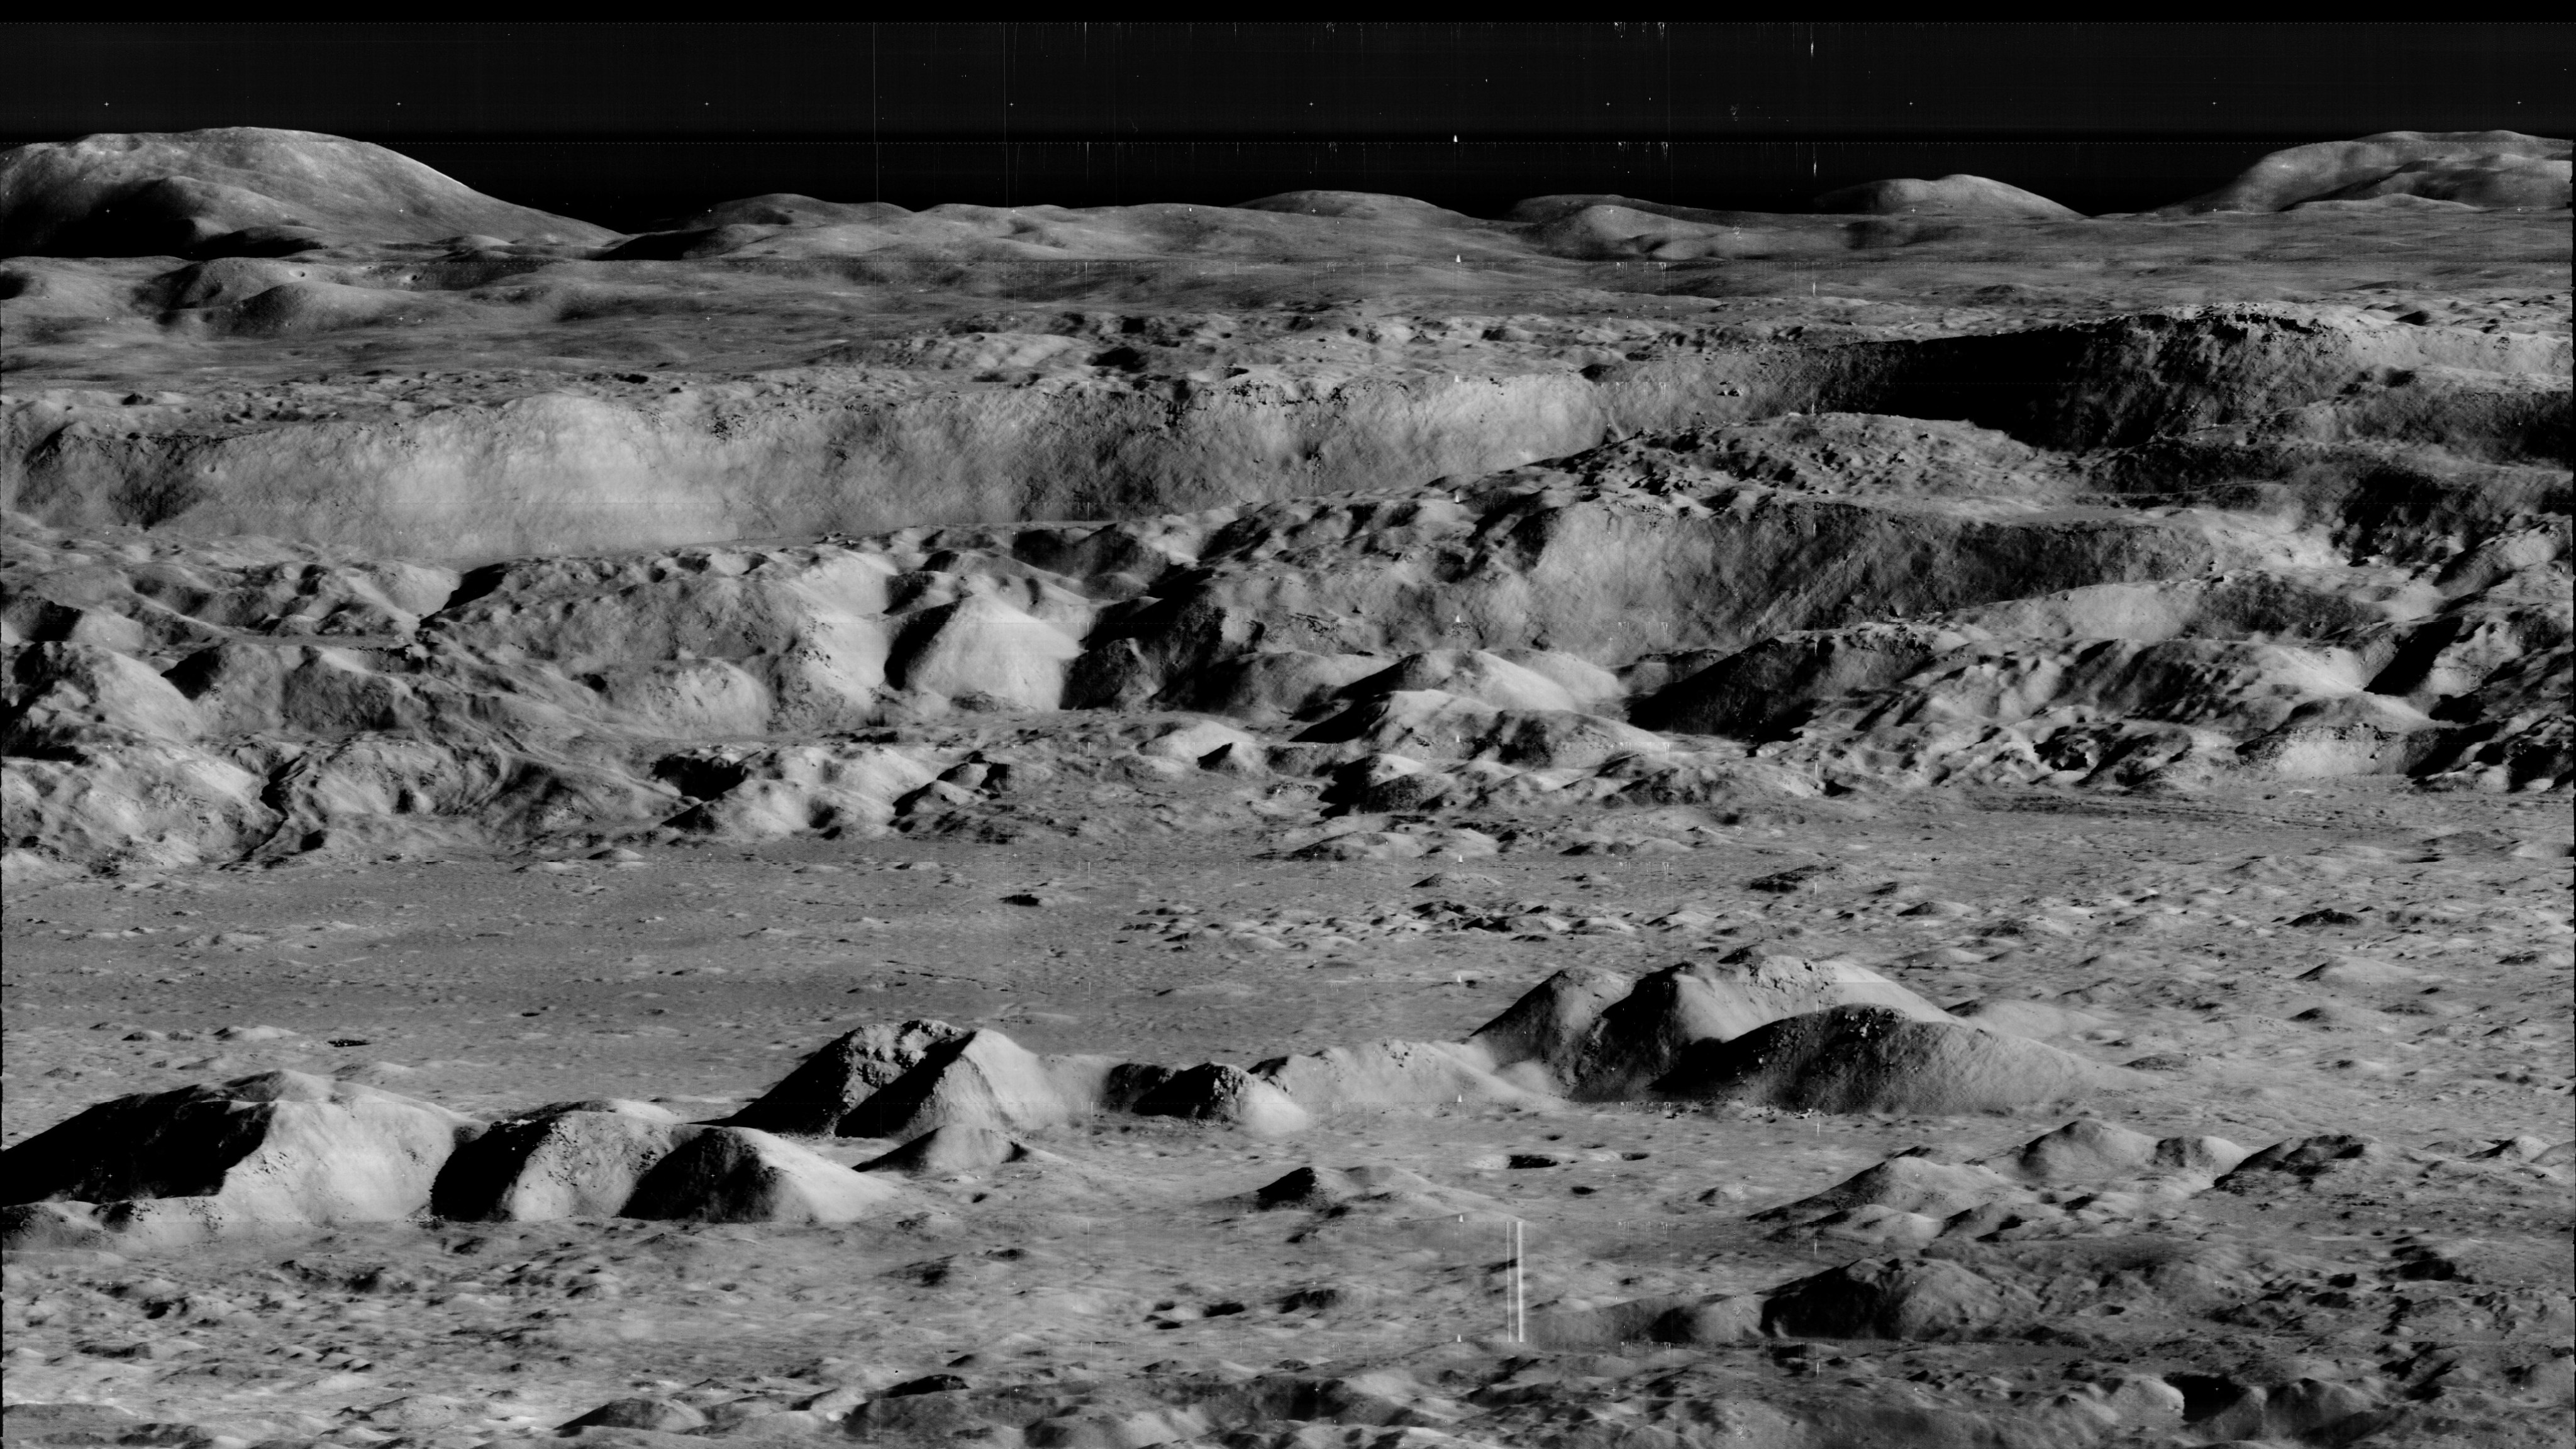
x=278, y=1149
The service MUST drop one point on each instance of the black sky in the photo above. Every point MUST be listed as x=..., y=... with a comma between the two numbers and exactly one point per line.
x=620, y=122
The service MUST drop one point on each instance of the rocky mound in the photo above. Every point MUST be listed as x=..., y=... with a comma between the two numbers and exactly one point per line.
x=981, y=1079
x=736, y=1175
x=951, y=1149
x=2088, y=1149
x=2477, y=168
x=812, y=1100
x=1874, y=1059
x=1579, y=1039
x=287, y=1149
x=1954, y=195
x=1550, y=1023
x=907, y=1082
x=569, y=1160
x=1916, y=1197
x=280, y=1148
x=1705, y=1320
x=1211, y=1092
x=243, y=191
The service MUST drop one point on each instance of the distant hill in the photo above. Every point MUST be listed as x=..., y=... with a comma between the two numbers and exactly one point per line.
x=2479, y=168
x=243, y=191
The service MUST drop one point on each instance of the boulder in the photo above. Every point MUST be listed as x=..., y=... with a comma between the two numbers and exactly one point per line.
x=1903, y=1298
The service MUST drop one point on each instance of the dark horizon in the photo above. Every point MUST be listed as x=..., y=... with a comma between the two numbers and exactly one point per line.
x=624, y=125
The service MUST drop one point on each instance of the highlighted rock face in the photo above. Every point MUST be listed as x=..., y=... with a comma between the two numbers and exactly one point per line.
x=1595, y=1047
x=985, y=1087
x=150, y=803
x=67, y=688
x=981, y=1079
x=582, y=1159
x=1873, y=1059
x=1548, y=1022
x=982, y=647
x=735, y=1175
x=791, y=789
x=1217, y=1093
x=2086, y=1148
x=278, y=1148
x=812, y=1100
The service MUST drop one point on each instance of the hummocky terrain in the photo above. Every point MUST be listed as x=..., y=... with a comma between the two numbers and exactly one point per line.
x=1043, y=826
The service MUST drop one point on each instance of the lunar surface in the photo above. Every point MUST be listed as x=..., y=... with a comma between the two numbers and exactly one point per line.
x=1313, y=823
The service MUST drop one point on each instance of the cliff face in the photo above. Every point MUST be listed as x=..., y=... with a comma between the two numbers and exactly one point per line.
x=995, y=427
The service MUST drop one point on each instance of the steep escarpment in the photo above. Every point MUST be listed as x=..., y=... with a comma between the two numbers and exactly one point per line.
x=1906, y=602
x=421, y=469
